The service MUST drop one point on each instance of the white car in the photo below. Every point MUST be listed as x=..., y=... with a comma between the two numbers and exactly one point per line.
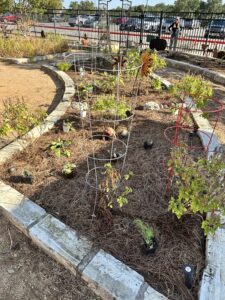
x=78, y=20
x=151, y=23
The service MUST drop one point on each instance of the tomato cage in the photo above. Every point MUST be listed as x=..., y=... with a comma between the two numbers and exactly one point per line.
x=198, y=136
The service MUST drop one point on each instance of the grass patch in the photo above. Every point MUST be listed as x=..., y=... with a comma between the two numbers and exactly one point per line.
x=19, y=46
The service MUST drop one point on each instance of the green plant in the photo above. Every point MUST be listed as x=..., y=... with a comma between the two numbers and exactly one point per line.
x=108, y=106
x=17, y=120
x=59, y=147
x=200, y=185
x=111, y=186
x=132, y=62
x=68, y=168
x=196, y=87
x=145, y=230
x=156, y=84
x=68, y=126
x=109, y=82
x=85, y=89
x=63, y=66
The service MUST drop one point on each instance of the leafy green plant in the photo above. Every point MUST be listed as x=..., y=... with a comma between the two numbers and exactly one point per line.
x=59, y=147
x=196, y=87
x=85, y=89
x=109, y=82
x=146, y=231
x=63, y=66
x=110, y=188
x=17, y=120
x=67, y=126
x=108, y=106
x=200, y=185
x=68, y=168
x=156, y=84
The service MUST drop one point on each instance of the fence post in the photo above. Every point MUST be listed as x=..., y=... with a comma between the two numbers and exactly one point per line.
x=142, y=28
x=54, y=23
x=210, y=24
x=160, y=24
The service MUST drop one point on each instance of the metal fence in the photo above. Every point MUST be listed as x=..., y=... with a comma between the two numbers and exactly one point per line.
x=201, y=32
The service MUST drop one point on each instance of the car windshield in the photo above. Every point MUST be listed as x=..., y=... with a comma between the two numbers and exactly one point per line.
x=132, y=21
x=219, y=22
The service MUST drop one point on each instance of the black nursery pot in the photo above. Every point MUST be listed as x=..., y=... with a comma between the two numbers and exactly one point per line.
x=151, y=250
x=70, y=175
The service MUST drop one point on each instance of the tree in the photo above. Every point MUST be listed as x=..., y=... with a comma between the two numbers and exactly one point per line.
x=214, y=6
x=6, y=5
x=74, y=5
x=186, y=5
x=83, y=5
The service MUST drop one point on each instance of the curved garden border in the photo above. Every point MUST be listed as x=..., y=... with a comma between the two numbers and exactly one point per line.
x=107, y=276
x=34, y=59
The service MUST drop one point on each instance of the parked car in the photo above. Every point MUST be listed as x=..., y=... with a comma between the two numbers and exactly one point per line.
x=151, y=23
x=121, y=20
x=92, y=22
x=133, y=24
x=57, y=19
x=217, y=29
x=191, y=24
x=78, y=20
x=8, y=17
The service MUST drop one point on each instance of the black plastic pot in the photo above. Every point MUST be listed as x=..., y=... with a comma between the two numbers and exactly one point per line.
x=22, y=179
x=69, y=175
x=148, y=144
x=150, y=250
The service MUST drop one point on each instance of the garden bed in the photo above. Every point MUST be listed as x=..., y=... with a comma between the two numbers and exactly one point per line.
x=180, y=242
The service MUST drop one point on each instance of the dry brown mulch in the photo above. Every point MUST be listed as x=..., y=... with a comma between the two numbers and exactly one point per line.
x=179, y=241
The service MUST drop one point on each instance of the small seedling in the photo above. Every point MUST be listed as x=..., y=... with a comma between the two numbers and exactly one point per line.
x=146, y=232
x=68, y=169
x=59, y=147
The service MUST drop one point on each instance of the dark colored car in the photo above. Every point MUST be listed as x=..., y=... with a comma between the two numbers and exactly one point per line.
x=131, y=25
x=217, y=29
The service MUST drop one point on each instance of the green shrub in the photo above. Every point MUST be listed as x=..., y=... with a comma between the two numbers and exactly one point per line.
x=64, y=66
x=108, y=107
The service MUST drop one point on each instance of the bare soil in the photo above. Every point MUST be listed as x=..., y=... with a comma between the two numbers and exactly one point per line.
x=179, y=241
x=28, y=274
x=29, y=84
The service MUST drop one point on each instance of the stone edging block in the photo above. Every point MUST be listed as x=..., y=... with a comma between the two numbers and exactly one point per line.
x=20, y=210
x=19, y=144
x=26, y=60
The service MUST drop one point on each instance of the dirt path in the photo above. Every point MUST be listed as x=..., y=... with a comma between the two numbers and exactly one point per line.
x=174, y=75
x=28, y=274
x=28, y=82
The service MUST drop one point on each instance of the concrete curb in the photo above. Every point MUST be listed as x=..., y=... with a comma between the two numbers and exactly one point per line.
x=107, y=276
x=213, y=278
x=212, y=75
x=26, y=60
x=18, y=145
